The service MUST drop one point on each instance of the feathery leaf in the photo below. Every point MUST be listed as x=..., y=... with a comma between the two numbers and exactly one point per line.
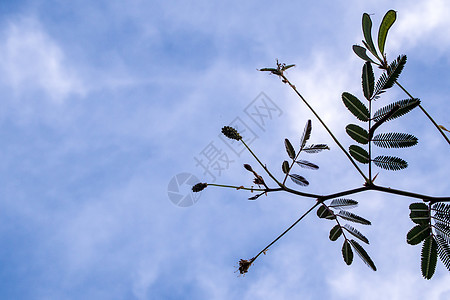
x=394, y=140
x=315, y=148
x=306, y=134
x=357, y=133
x=390, y=163
x=429, y=257
x=443, y=251
x=368, y=80
x=335, y=233
x=347, y=253
x=289, y=149
x=306, y=164
x=356, y=107
x=388, y=78
x=343, y=203
x=363, y=254
x=361, y=53
x=352, y=217
x=300, y=180
x=356, y=233
x=359, y=154
x=417, y=234
x=405, y=106
x=388, y=20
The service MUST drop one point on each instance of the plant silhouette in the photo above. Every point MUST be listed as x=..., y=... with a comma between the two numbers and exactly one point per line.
x=431, y=216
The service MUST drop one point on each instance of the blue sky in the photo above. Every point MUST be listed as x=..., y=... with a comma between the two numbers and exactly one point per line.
x=104, y=102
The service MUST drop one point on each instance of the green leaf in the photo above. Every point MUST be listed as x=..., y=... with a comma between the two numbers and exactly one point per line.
x=347, y=253
x=315, y=148
x=306, y=134
x=420, y=213
x=359, y=154
x=368, y=80
x=388, y=20
x=417, y=234
x=357, y=133
x=285, y=167
x=300, y=180
x=388, y=78
x=363, y=254
x=289, y=149
x=390, y=163
x=346, y=215
x=306, y=164
x=335, y=233
x=343, y=203
x=394, y=140
x=367, y=31
x=443, y=251
x=405, y=107
x=325, y=213
x=356, y=107
x=361, y=53
x=429, y=257
x=356, y=233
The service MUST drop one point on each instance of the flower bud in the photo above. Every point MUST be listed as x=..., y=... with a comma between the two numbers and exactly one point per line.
x=231, y=133
x=199, y=187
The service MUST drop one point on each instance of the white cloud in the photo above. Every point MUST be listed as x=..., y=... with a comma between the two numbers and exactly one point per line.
x=32, y=60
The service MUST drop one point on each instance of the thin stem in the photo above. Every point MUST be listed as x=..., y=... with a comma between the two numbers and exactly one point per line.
x=324, y=125
x=286, y=231
x=263, y=166
x=244, y=188
x=426, y=113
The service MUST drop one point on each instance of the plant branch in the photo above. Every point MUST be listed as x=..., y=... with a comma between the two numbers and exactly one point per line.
x=286, y=231
x=426, y=113
x=324, y=125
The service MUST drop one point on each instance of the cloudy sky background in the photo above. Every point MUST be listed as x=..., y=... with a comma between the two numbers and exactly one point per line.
x=103, y=102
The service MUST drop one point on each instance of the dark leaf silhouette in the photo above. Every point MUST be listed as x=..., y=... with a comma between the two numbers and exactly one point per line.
x=405, y=107
x=306, y=134
x=390, y=163
x=417, y=234
x=394, y=140
x=347, y=253
x=429, y=257
x=359, y=154
x=356, y=233
x=388, y=78
x=300, y=180
x=307, y=164
x=315, y=148
x=368, y=80
x=289, y=149
x=357, y=133
x=363, y=254
x=335, y=232
x=343, y=203
x=356, y=107
x=352, y=217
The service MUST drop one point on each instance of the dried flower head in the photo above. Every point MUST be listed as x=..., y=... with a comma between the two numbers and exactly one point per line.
x=231, y=133
x=258, y=180
x=248, y=167
x=199, y=187
x=244, y=265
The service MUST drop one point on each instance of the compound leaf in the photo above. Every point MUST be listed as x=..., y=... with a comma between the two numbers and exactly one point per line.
x=405, y=107
x=300, y=180
x=352, y=217
x=325, y=213
x=315, y=148
x=306, y=164
x=347, y=253
x=289, y=149
x=429, y=257
x=394, y=140
x=443, y=251
x=335, y=233
x=390, y=163
x=306, y=134
x=388, y=78
x=356, y=107
x=359, y=154
x=363, y=254
x=417, y=234
x=361, y=53
x=388, y=20
x=420, y=213
x=368, y=80
x=285, y=167
x=356, y=233
x=367, y=31
x=357, y=133
x=343, y=203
